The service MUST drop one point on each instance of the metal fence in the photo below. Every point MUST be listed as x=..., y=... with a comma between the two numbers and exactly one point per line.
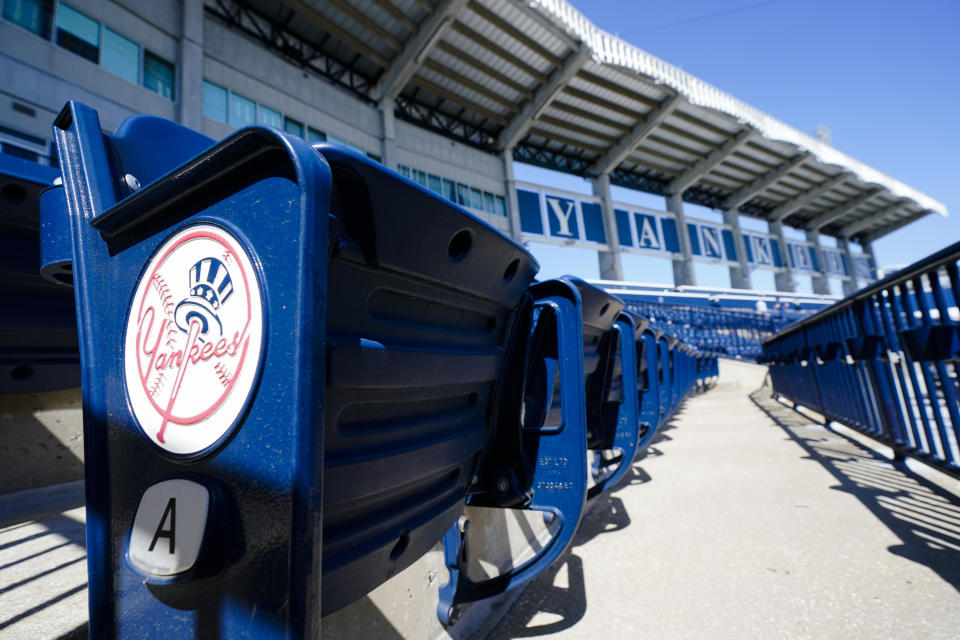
x=883, y=361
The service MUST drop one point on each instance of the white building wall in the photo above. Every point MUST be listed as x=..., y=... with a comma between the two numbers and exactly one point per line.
x=37, y=73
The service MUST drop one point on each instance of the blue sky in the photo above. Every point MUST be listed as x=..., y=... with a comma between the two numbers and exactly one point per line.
x=883, y=76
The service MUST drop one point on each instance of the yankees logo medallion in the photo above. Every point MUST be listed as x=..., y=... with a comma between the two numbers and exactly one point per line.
x=193, y=340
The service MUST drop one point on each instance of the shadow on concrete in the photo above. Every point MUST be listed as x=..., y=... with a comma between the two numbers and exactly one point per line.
x=925, y=517
x=39, y=453
x=64, y=532
x=546, y=607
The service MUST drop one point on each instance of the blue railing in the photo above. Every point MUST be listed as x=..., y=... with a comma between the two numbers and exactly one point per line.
x=883, y=361
x=313, y=365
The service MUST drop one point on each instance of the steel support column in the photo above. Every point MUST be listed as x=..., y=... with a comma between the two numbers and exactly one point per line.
x=739, y=274
x=819, y=275
x=784, y=277
x=611, y=266
x=683, y=264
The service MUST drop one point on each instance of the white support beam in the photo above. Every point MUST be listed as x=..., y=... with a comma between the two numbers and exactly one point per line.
x=745, y=194
x=806, y=198
x=415, y=50
x=896, y=226
x=611, y=266
x=739, y=274
x=826, y=218
x=513, y=203
x=683, y=273
x=818, y=278
x=619, y=152
x=543, y=96
x=849, y=284
x=712, y=159
x=783, y=277
x=856, y=227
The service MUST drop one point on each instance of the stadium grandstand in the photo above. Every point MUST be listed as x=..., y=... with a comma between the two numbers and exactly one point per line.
x=451, y=94
x=409, y=429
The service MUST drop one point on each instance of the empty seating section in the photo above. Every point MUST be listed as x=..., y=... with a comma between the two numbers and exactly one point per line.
x=722, y=331
x=883, y=361
x=300, y=367
x=726, y=322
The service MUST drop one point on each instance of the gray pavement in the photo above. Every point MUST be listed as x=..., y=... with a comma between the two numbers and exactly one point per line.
x=748, y=520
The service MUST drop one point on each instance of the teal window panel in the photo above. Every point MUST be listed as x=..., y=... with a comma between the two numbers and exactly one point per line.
x=78, y=33
x=33, y=15
x=293, y=127
x=158, y=75
x=501, y=206
x=269, y=117
x=243, y=111
x=214, y=101
x=120, y=56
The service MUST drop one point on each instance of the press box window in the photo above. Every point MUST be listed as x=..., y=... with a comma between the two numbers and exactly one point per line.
x=463, y=195
x=78, y=33
x=292, y=126
x=33, y=15
x=214, y=101
x=243, y=111
x=476, y=198
x=270, y=117
x=488, y=204
x=158, y=75
x=121, y=56
x=315, y=135
x=450, y=190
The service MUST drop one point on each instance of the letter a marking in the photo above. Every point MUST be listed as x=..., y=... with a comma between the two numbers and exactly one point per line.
x=166, y=533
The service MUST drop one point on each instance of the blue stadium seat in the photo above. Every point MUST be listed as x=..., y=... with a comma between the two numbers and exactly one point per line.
x=38, y=328
x=536, y=457
x=365, y=367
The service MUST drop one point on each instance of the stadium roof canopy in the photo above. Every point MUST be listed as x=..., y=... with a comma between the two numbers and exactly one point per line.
x=537, y=77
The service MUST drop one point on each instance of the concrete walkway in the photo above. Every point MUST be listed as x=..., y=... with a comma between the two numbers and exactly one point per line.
x=747, y=520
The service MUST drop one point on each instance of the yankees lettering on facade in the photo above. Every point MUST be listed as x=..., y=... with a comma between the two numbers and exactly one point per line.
x=562, y=209
x=648, y=234
x=193, y=340
x=711, y=242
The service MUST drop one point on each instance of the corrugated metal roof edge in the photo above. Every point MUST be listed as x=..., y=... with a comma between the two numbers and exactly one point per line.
x=609, y=49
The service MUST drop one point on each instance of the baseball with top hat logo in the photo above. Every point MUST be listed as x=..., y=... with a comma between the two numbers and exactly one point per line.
x=193, y=340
